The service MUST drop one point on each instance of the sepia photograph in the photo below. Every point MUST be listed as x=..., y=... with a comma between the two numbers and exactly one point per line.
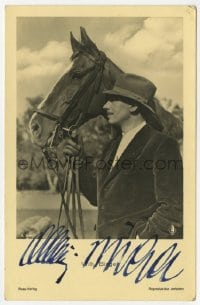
x=100, y=126
x=100, y=169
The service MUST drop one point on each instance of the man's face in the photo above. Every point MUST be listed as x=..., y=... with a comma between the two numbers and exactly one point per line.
x=117, y=111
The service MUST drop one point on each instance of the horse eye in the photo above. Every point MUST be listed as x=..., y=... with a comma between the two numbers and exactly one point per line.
x=63, y=100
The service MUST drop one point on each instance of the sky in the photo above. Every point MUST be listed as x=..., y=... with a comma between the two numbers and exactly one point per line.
x=150, y=47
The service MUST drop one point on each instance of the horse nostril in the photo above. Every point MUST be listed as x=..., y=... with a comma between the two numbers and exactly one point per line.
x=35, y=127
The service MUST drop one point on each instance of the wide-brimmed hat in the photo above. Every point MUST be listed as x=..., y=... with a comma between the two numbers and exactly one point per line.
x=140, y=91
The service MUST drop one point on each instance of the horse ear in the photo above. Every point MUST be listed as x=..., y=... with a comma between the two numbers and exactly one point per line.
x=86, y=40
x=74, y=43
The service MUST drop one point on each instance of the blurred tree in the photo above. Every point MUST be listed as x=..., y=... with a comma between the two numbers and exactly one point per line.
x=173, y=126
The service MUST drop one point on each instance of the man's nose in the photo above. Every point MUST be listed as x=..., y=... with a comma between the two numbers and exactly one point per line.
x=107, y=105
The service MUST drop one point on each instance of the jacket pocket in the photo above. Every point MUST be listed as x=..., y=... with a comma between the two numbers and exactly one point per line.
x=137, y=228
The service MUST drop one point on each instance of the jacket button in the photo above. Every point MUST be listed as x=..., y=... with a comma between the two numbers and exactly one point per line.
x=172, y=230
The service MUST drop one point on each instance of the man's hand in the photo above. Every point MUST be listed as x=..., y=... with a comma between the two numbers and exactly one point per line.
x=69, y=147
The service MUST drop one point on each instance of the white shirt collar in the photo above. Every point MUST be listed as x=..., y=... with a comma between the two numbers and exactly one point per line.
x=132, y=132
x=125, y=140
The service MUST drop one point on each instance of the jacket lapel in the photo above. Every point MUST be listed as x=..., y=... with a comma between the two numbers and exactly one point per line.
x=131, y=152
x=109, y=157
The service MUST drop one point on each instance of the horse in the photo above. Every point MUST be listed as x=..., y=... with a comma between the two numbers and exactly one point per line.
x=78, y=95
x=76, y=98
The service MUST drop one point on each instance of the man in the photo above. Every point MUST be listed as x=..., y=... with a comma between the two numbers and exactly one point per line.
x=138, y=185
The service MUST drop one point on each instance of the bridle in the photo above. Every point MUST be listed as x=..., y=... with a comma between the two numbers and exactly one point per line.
x=63, y=129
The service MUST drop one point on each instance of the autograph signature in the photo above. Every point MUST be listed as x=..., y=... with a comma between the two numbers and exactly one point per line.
x=48, y=247
x=143, y=258
x=52, y=245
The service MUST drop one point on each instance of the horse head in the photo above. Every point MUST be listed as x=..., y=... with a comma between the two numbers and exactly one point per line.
x=77, y=96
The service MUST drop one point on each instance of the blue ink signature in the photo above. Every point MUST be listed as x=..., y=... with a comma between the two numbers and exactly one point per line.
x=48, y=247
x=143, y=259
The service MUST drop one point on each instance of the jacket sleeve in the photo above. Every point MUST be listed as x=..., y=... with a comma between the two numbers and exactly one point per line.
x=167, y=220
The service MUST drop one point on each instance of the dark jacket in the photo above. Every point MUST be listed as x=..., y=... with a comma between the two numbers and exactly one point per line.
x=142, y=195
